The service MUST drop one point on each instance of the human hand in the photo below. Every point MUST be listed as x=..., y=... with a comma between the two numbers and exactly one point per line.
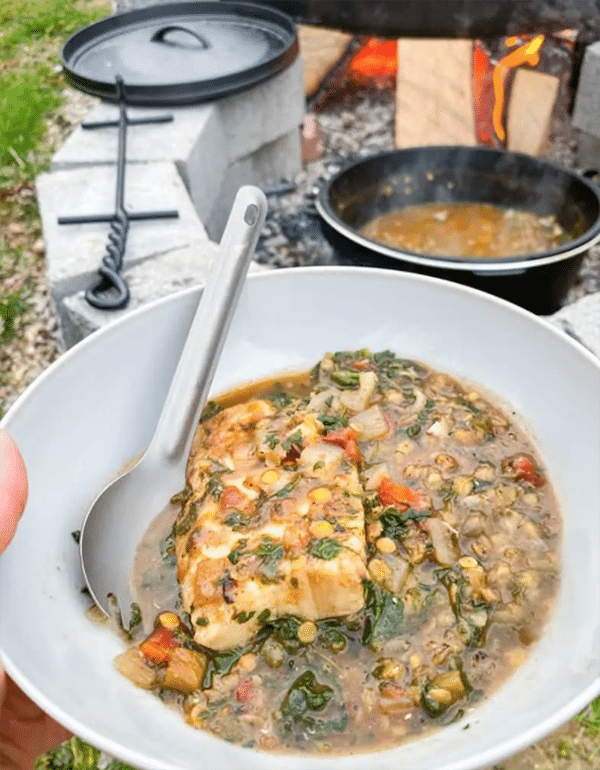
x=25, y=730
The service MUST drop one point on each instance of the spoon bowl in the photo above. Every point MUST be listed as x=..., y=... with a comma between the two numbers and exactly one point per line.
x=121, y=513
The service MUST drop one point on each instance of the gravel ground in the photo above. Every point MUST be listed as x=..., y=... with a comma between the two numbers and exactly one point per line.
x=291, y=237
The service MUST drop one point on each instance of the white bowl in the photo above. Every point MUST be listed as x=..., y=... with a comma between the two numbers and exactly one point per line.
x=96, y=408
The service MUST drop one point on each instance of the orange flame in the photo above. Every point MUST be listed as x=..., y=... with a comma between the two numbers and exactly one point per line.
x=528, y=53
x=376, y=57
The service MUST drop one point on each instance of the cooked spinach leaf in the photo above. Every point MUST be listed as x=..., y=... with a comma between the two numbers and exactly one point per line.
x=395, y=522
x=305, y=694
x=384, y=614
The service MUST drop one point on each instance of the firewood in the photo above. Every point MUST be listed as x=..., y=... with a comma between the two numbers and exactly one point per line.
x=321, y=49
x=530, y=108
x=434, y=93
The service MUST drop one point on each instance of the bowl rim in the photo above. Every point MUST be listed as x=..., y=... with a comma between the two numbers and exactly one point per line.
x=499, y=265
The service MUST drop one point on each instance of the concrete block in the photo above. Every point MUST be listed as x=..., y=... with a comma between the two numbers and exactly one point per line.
x=74, y=252
x=228, y=128
x=173, y=142
x=276, y=161
x=210, y=144
x=148, y=282
x=586, y=111
x=581, y=320
x=257, y=116
x=588, y=152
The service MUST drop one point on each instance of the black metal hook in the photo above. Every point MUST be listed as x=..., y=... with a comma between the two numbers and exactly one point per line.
x=111, y=291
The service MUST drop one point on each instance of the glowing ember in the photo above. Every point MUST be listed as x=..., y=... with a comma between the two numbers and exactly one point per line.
x=528, y=53
x=376, y=58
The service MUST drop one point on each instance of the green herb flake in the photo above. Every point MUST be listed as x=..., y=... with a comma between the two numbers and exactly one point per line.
x=333, y=421
x=324, y=548
x=345, y=379
x=280, y=398
x=294, y=440
x=135, y=615
x=76, y=535
x=210, y=410
x=243, y=617
x=288, y=488
x=239, y=550
x=271, y=440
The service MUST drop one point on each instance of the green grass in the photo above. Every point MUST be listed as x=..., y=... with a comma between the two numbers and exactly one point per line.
x=25, y=98
x=589, y=719
x=32, y=35
x=31, y=22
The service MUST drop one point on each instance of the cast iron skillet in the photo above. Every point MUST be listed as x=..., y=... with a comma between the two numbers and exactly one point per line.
x=539, y=282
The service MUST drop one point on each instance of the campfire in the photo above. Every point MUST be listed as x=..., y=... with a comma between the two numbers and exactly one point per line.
x=517, y=85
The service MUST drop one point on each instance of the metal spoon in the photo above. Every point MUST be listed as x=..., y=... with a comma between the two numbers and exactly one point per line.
x=122, y=512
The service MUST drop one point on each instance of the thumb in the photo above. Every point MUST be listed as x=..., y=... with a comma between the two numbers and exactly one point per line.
x=13, y=488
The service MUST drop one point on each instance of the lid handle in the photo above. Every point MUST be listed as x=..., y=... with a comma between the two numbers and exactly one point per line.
x=159, y=37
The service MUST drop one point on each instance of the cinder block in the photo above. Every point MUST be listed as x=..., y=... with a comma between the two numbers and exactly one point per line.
x=74, y=252
x=274, y=162
x=229, y=128
x=173, y=142
x=210, y=144
x=588, y=152
x=257, y=116
x=581, y=319
x=586, y=112
x=150, y=281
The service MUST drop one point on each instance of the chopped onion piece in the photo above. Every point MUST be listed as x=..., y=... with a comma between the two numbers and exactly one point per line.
x=325, y=398
x=370, y=424
x=322, y=457
x=358, y=400
x=444, y=541
x=374, y=475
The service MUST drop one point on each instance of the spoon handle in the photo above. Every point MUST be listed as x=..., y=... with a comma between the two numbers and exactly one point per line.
x=195, y=370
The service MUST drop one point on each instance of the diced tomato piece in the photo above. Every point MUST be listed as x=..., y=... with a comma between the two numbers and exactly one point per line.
x=231, y=497
x=391, y=493
x=525, y=470
x=347, y=439
x=159, y=646
x=244, y=691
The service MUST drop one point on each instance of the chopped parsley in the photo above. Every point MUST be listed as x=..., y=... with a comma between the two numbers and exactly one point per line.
x=324, y=548
x=294, y=440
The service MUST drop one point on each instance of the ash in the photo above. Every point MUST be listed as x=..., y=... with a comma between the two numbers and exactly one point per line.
x=357, y=127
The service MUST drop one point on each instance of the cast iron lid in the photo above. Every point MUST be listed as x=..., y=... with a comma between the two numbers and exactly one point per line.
x=181, y=53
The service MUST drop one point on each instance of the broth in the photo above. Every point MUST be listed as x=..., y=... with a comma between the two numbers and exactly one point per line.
x=459, y=556
x=468, y=230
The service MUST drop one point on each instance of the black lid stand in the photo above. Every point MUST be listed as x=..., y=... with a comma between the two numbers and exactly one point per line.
x=111, y=291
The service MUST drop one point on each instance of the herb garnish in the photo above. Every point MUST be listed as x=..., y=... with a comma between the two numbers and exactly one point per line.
x=271, y=440
x=324, y=548
x=333, y=421
x=395, y=522
x=135, y=615
x=295, y=439
x=243, y=617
